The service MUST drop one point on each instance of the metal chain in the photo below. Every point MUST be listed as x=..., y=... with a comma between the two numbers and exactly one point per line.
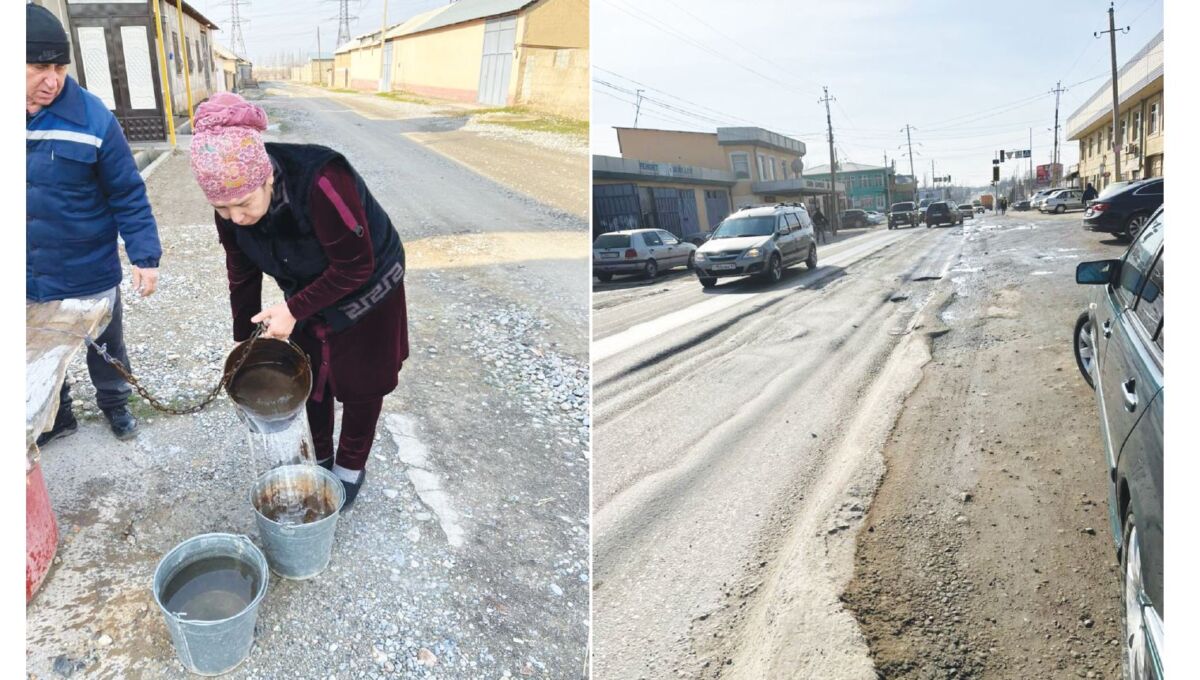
x=102, y=350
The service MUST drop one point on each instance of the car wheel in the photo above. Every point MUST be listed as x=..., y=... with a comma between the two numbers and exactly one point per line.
x=775, y=269
x=1060, y=209
x=811, y=262
x=1085, y=351
x=691, y=261
x=1135, y=224
x=707, y=283
x=1133, y=661
x=604, y=277
x=651, y=269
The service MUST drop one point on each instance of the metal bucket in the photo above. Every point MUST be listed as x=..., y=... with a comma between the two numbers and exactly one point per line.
x=270, y=390
x=211, y=647
x=298, y=551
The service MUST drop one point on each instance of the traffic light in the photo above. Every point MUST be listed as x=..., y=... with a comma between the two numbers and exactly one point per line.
x=995, y=173
x=1001, y=155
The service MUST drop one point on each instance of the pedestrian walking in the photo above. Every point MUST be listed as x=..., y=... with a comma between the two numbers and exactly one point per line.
x=821, y=224
x=303, y=215
x=1089, y=193
x=82, y=191
x=1003, y=205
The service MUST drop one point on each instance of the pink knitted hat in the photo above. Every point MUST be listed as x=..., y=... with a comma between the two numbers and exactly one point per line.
x=228, y=157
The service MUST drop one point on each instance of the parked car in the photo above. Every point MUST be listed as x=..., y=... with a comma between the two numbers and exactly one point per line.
x=1040, y=196
x=904, y=212
x=875, y=217
x=967, y=211
x=1061, y=201
x=1111, y=189
x=1021, y=205
x=941, y=212
x=853, y=219
x=759, y=241
x=1125, y=212
x=1119, y=349
x=644, y=251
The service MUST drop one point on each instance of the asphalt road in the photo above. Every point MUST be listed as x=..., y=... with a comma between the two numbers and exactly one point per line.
x=741, y=434
x=466, y=554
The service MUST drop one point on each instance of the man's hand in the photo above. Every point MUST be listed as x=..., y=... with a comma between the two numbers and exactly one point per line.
x=279, y=320
x=145, y=281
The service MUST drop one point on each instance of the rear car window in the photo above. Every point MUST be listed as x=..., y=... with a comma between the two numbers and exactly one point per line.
x=902, y=206
x=1155, y=189
x=612, y=241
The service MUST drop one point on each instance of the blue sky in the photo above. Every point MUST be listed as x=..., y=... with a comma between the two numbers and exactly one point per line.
x=970, y=77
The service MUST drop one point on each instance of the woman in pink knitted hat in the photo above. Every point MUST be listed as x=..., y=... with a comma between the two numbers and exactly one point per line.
x=300, y=213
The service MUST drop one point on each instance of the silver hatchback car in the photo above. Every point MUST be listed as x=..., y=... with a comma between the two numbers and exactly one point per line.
x=639, y=251
x=759, y=241
x=1062, y=201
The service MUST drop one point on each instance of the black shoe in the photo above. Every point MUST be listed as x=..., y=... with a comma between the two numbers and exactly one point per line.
x=124, y=425
x=64, y=425
x=326, y=463
x=352, y=489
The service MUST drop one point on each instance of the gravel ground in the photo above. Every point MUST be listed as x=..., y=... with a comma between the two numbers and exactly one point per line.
x=492, y=407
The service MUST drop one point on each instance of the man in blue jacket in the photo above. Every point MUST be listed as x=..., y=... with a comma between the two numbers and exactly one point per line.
x=82, y=189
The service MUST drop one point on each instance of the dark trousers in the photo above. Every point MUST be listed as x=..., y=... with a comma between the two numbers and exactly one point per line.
x=111, y=388
x=358, y=429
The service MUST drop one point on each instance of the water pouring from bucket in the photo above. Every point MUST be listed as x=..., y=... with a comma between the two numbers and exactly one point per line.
x=270, y=387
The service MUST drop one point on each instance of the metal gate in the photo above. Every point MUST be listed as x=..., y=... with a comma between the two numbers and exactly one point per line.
x=114, y=49
x=614, y=208
x=386, y=85
x=716, y=204
x=499, y=38
x=689, y=222
x=667, y=210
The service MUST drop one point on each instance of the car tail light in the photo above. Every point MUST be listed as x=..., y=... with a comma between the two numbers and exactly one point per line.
x=1098, y=207
x=631, y=254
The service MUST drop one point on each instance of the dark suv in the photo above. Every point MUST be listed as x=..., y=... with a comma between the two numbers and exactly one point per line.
x=902, y=213
x=853, y=219
x=1125, y=211
x=941, y=212
x=1119, y=350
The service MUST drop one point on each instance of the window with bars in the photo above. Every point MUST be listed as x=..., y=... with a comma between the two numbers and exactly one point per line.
x=741, y=165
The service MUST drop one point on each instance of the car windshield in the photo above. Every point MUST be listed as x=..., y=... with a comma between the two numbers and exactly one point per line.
x=612, y=241
x=902, y=206
x=1112, y=189
x=746, y=226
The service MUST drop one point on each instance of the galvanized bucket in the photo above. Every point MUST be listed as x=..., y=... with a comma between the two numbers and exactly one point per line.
x=211, y=647
x=298, y=551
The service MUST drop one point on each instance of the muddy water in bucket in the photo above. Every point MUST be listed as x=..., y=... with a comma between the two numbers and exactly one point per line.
x=209, y=588
x=270, y=391
x=296, y=511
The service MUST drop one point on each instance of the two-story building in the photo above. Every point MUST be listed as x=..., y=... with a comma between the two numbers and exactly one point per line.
x=868, y=187
x=1139, y=134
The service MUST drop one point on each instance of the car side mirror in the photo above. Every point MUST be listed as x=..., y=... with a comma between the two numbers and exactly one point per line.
x=1098, y=272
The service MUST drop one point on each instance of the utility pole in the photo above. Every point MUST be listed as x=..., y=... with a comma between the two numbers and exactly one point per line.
x=907, y=129
x=320, y=64
x=1030, y=162
x=637, y=110
x=1058, y=90
x=887, y=185
x=933, y=173
x=1116, y=111
x=832, y=163
x=343, y=22
x=235, y=28
x=383, y=65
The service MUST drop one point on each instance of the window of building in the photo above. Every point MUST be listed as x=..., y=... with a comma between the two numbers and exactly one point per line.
x=1154, y=118
x=187, y=46
x=741, y=165
x=175, y=53
x=1124, y=128
x=1137, y=126
x=762, y=167
x=771, y=166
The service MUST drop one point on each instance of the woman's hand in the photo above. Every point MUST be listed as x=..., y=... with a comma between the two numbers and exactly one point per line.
x=279, y=320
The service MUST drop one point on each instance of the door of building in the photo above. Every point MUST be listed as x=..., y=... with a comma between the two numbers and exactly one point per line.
x=614, y=208
x=499, y=38
x=667, y=210
x=689, y=221
x=386, y=85
x=716, y=204
x=114, y=49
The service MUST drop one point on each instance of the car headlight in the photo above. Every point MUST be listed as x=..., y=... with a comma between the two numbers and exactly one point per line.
x=699, y=256
x=753, y=252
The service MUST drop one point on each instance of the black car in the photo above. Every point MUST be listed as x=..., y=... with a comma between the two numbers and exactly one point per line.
x=853, y=219
x=1119, y=350
x=941, y=212
x=1125, y=211
x=1021, y=205
x=902, y=213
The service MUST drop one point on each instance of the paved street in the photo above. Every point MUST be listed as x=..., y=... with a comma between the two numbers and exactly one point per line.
x=780, y=472
x=494, y=396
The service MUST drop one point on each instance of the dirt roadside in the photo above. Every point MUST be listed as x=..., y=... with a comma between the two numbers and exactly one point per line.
x=986, y=553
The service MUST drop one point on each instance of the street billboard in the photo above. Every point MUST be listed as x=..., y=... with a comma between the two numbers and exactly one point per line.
x=1047, y=173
